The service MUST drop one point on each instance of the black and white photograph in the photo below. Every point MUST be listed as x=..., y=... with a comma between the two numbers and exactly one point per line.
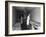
x=25, y=18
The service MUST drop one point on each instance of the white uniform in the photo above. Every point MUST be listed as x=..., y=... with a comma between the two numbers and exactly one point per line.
x=28, y=18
